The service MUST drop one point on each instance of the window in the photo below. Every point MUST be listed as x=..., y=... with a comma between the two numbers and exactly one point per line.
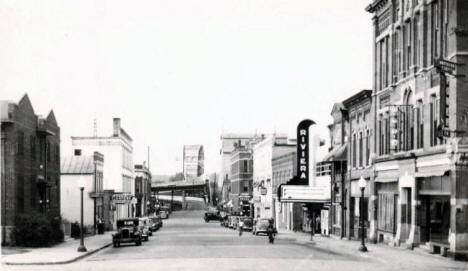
x=20, y=143
x=48, y=150
x=32, y=147
x=381, y=136
x=57, y=153
x=417, y=41
x=434, y=31
x=246, y=187
x=33, y=191
x=246, y=165
x=20, y=193
x=387, y=135
x=367, y=147
x=434, y=119
x=409, y=40
x=354, y=150
x=360, y=149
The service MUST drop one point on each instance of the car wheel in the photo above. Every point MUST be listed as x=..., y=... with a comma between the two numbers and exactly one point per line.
x=118, y=244
x=138, y=242
x=151, y=233
x=114, y=244
x=147, y=238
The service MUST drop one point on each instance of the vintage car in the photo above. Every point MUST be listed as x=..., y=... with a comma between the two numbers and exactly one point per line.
x=211, y=214
x=261, y=226
x=128, y=231
x=247, y=224
x=164, y=214
x=155, y=223
x=144, y=225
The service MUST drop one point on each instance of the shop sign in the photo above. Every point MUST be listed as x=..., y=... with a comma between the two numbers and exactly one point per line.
x=122, y=198
x=305, y=193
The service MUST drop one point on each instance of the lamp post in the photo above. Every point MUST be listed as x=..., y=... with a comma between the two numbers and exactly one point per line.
x=362, y=183
x=81, y=184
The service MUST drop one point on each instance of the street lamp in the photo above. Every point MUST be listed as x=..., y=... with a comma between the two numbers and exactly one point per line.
x=81, y=185
x=362, y=183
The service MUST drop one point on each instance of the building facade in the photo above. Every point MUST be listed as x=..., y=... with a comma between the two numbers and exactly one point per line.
x=241, y=179
x=336, y=159
x=142, y=190
x=228, y=140
x=193, y=162
x=360, y=127
x=30, y=163
x=288, y=215
x=87, y=169
x=263, y=153
x=421, y=107
x=119, y=167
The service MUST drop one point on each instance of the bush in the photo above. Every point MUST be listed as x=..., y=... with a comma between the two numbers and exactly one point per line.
x=37, y=230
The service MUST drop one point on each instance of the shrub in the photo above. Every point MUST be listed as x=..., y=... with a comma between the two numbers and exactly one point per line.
x=37, y=230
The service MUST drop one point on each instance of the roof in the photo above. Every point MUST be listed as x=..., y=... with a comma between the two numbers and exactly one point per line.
x=363, y=94
x=77, y=164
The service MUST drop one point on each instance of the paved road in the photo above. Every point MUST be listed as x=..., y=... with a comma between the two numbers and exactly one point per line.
x=186, y=242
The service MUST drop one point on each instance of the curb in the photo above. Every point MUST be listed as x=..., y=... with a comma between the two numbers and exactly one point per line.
x=62, y=262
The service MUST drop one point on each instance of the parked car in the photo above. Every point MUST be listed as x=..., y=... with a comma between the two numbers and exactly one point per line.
x=145, y=228
x=260, y=226
x=164, y=214
x=247, y=223
x=211, y=214
x=155, y=223
x=128, y=231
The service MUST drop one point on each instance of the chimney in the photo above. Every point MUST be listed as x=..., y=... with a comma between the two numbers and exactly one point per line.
x=116, y=126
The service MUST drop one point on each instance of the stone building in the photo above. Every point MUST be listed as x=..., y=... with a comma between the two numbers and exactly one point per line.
x=421, y=110
x=30, y=163
x=193, y=162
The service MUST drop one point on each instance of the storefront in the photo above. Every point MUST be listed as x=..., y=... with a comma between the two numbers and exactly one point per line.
x=434, y=213
x=387, y=206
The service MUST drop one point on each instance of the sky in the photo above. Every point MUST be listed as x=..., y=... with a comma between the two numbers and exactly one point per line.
x=183, y=71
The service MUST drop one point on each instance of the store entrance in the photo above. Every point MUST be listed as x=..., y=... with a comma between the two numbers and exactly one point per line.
x=435, y=219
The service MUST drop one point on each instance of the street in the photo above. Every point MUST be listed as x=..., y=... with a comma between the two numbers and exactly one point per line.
x=186, y=242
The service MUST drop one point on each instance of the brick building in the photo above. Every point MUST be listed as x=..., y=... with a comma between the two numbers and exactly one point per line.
x=421, y=113
x=142, y=190
x=30, y=163
x=241, y=179
x=360, y=127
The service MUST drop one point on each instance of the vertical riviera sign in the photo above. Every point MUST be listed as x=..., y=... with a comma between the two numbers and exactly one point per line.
x=303, y=150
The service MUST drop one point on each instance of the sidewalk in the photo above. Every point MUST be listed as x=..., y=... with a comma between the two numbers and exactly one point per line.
x=62, y=253
x=382, y=253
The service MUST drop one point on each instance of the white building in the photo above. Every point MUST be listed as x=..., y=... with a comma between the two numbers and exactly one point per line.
x=194, y=162
x=118, y=150
x=263, y=153
x=86, y=170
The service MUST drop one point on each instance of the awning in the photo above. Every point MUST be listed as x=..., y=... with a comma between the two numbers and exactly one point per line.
x=336, y=154
x=385, y=179
x=431, y=172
